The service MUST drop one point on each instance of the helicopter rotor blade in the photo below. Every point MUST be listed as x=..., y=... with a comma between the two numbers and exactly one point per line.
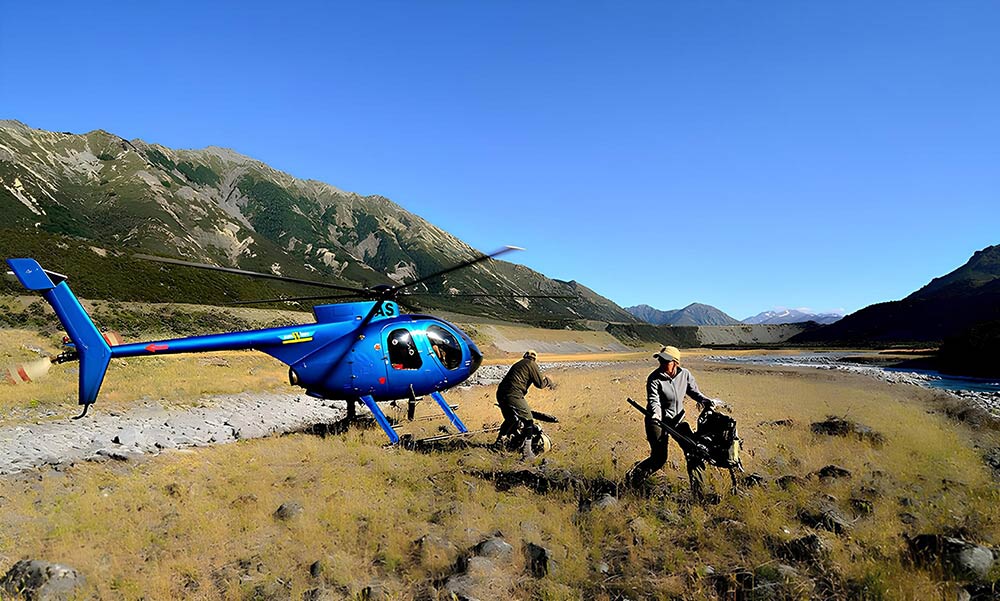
x=293, y=298
x=461, y=265
x=485, y=294
x=254, y=274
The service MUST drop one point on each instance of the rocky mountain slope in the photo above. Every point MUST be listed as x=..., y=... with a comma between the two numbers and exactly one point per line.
x=695, y=314
x=216, y=205
x=945, y=307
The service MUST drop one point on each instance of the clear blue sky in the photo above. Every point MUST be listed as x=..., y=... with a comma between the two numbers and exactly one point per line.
x=742, y=154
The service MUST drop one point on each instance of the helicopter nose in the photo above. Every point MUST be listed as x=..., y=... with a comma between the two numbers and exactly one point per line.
x=477, y=358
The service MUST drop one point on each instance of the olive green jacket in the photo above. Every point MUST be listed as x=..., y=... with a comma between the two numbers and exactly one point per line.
x=521, y=376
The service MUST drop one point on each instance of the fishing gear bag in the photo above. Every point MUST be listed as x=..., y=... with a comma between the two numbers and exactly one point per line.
x=717, y=432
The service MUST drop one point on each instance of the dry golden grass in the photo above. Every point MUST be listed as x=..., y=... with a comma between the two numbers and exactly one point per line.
x=199, y=524
x=175, y=380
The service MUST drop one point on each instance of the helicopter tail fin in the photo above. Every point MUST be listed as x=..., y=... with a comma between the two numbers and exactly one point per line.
x=93, y=349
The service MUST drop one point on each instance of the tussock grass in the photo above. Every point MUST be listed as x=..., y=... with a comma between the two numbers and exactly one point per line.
x=173, y=380
x=200, y=524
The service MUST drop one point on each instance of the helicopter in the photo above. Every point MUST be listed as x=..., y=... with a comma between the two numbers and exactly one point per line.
x=361, y=352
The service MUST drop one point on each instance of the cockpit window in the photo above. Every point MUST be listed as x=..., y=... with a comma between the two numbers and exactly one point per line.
x=402, y=351
x=446, y=346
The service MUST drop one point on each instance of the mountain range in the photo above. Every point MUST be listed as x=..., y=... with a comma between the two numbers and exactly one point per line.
x=695, y=314
x=217, y=206
x=946, y=307
x=793, y=316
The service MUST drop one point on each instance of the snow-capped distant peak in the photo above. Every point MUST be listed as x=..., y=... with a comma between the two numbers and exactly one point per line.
x=781, y=315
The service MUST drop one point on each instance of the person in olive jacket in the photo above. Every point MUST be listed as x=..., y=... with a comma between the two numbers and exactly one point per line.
x=666, y=388
x=518, y=427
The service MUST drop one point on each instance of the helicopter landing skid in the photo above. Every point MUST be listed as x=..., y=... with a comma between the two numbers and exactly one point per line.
x=380, y=417
x=386, y=425
x=408, y=442
x=452, y=417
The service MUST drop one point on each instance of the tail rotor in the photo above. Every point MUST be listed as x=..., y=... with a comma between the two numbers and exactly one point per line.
x=29, y=371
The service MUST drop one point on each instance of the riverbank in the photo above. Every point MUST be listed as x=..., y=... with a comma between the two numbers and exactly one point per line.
x=981, y=393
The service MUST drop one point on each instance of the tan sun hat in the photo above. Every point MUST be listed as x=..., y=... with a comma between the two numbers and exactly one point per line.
x=530, y=354
x=669, y=353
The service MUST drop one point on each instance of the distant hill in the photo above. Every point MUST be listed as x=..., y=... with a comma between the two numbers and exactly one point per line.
x=694, y=336
x=779, y=316
x=946, y=307
x=695, y=314
x=972, y=352
x=215, y=205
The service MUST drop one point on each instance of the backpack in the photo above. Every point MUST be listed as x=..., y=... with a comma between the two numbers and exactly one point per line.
x=717, y=432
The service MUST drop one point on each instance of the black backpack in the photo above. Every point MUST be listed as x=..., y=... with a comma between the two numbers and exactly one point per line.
x=717, y=433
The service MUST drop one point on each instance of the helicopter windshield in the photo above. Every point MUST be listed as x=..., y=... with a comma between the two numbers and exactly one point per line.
x=402, y=351
x=446, y=346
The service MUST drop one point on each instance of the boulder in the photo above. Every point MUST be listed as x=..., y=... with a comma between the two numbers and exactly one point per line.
x=832, y=472
x=41, y=581
x=824, y=514
x=956, y=558
x=289, y=510
x=789, y=480
x=494, y=548
x=433, y=551
x=321, y=594
x=992, y=459
x=316, y=569
x=602, y=501
x=838, y=426
x=862, y=507
x=481, y=579
x=983, y=591
x=539, y=560
x=807, y=549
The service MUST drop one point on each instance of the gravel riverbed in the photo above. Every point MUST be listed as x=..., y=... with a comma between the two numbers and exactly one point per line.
x=987, y=400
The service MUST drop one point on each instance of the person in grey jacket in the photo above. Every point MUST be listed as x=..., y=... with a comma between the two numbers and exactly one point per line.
x=666, y=388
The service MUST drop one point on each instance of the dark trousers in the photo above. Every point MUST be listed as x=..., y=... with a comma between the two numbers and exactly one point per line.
x=659, y=444
x=517, y=420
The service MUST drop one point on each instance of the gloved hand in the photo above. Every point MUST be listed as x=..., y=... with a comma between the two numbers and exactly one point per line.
x=552, y=384
x=715, y=404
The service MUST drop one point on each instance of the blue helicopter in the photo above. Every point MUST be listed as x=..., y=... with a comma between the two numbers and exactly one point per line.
x=365, y=352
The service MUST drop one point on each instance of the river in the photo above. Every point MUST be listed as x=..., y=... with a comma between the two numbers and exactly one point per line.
x=980, y=391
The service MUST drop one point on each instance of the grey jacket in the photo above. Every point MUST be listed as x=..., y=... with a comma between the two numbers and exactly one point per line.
x=665, y=395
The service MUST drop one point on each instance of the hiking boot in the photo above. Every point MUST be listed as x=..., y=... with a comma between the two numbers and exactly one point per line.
x=527, y=453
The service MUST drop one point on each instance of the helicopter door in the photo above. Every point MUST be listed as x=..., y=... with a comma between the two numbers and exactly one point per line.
x=446, y=347
x=402, y=350
x=367, y=368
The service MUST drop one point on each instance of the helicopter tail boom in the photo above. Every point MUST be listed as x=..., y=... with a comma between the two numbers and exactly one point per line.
x=94, y=351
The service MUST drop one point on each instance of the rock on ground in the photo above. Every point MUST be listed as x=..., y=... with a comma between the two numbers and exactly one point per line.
x=41, y=581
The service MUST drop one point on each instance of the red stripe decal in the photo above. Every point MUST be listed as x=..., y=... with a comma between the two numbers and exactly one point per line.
x=22, y=373
x=157, y=347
